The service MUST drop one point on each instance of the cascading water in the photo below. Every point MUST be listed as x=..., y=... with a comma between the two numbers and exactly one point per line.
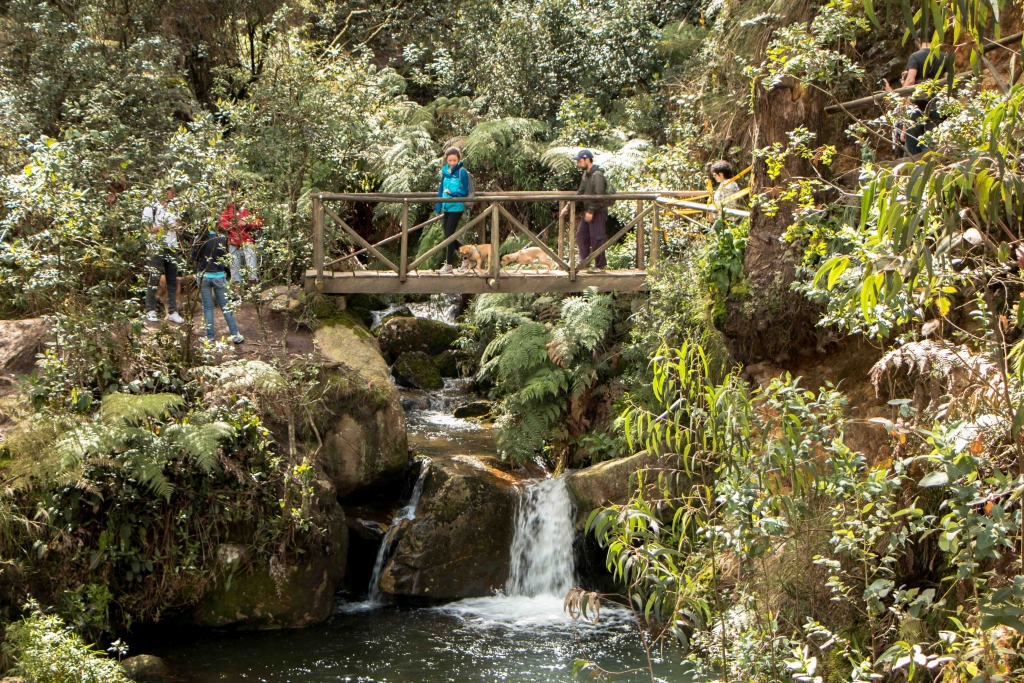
x=406, y=513
x=542, y=557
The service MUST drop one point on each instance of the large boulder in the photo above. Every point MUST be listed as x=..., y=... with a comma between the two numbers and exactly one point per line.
x=20, y=341
x=148, y=669
x=399, y=335
x=363, y=426
x=612, y=482
x=271, y=596
x=416, y=370
x=458, y=544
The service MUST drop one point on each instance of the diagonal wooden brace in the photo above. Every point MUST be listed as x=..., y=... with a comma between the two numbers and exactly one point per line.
x=629, y=226
x=533, y=238
x=448, y=240
x=363, y=243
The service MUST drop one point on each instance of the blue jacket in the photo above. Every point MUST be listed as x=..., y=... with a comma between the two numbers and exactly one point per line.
x=456, y=181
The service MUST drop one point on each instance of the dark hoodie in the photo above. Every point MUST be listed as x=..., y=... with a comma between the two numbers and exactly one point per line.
x=208, y=253
x=593, y=182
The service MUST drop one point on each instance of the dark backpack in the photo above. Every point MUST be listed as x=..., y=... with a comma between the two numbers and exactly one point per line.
x=471, y=190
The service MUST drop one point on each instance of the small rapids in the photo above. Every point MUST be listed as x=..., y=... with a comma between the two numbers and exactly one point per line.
x=408, y=513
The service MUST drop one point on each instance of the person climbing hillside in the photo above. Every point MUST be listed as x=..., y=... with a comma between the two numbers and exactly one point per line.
x=209, y=254
x=923, y=65
x=455, y=182
x=590, y=234
x=160, y=220
x=241, y=224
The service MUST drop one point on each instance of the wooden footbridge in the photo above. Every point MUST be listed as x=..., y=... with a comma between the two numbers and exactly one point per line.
x=347, y=275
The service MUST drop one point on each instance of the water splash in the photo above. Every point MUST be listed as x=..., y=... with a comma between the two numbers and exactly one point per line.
x=542, y=557
x=406, y=513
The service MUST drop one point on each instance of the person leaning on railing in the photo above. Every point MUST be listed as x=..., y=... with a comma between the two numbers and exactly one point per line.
x=591, y=233
x=454, y=183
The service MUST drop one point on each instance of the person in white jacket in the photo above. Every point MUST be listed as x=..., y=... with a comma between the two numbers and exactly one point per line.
x=161, y=222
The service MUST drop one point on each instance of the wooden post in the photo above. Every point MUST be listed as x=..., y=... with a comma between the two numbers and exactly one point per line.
x=318, y=242
x=656, y=236
x=640, y=235
x=495, y=243
x=403, y=257
x=572, y=241
x=561, y=231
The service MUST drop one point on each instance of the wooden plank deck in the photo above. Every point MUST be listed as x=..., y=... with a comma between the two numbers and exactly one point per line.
x=433, y=282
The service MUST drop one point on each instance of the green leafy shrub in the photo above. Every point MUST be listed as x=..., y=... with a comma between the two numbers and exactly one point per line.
x=45, y=650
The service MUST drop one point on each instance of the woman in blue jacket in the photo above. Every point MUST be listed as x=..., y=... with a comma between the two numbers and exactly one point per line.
x=454, y=183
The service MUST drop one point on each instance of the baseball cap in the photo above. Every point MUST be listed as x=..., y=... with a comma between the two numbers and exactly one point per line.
x=583, y=154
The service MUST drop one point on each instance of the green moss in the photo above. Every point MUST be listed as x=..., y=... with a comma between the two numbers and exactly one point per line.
x=346, y=318
x=416, y=369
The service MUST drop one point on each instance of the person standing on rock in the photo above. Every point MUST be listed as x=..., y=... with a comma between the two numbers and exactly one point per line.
x=241, y=225
x=209, y=254
x=160, y=220
x=591, y=233
x=454, y=183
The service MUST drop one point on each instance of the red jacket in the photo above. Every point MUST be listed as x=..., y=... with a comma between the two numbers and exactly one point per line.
x=240, y=225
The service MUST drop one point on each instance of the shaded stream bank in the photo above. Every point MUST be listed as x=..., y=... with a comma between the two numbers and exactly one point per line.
x=519, y=634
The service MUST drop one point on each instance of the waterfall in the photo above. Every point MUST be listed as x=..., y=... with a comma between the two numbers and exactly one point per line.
x=406, y=513
x=542, y=558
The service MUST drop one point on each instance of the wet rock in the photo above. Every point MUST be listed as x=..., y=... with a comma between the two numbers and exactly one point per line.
x=401, y=335
x=20, y=341
x=147, y=669
x=381, y=317
x=458, y=544
x=363, y=428
x=271, y=596
x=447, y=363
x=415, y=369
x=363, y=305
x=416, y=402
x=474, y=409
x=613, y=481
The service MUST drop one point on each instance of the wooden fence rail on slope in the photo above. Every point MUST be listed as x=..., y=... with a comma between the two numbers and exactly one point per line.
x=404, y=274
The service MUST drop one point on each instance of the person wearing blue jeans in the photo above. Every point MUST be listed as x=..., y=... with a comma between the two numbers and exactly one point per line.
x=209, y=254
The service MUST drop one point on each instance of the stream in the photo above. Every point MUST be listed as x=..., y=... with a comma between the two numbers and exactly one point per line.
x=521, y=635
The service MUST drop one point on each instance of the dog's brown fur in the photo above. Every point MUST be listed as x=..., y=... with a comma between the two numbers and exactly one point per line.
x=534, y=257
x=185, y=282
x=476, y=253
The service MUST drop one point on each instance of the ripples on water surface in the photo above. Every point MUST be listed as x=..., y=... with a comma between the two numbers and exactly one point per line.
x=484, y=639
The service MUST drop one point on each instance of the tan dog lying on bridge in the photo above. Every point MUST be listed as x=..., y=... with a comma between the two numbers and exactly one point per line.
x=534, y=257
x=476, y=253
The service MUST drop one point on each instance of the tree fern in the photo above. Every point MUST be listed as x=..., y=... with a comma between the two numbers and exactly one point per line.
x=137, y=434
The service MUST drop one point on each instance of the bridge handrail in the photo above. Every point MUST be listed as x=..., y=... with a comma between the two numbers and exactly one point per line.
x=646, y=206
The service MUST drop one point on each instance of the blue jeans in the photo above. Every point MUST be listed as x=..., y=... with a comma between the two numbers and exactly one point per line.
x=210, y=287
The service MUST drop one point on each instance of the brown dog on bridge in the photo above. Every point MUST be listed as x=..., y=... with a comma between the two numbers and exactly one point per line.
x=476, y=253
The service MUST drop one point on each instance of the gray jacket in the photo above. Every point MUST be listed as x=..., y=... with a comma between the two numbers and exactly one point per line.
x=594, y=182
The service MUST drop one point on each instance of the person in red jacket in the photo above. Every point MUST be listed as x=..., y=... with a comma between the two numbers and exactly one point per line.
x=241, y=225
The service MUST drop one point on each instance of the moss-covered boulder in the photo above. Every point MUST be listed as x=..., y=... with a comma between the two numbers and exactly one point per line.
x=447, y=363
x=401, y=335
x=458, y=544
x=148, y=669
x=363, y=426
x=416, y=370
x=270, y=596
x=614, y=481
x=363, y=305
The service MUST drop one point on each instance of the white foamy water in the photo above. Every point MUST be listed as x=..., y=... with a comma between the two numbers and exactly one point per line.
x=542, y=558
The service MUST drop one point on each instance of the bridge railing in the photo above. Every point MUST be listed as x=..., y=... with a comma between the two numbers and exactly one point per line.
x=564, y=255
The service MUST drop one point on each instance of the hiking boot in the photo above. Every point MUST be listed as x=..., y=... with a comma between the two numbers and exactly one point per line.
x=446, y=268
x=151, y=317
x=175, y=318
x=464, y=268
x=237, y=339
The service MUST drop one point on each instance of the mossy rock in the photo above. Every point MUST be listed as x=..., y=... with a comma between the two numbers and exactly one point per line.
x=458, y=544
x=416, y=370
x=291, y=596
x=147, y=669
x=361, y=306
x=447, y=363
x=474, y=409
x=613, y=482
x=402, y=335
x=363, y=427
x=400, y=312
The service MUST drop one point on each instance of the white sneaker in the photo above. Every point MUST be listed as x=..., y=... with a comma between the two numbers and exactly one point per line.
x=446, y=268
x=464, y=268
x=175, y=318
x=151, y=317
x=237, y=339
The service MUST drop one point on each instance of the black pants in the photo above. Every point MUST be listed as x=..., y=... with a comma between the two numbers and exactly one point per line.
x=162, y=263
x=451, y=222
x=925, y=121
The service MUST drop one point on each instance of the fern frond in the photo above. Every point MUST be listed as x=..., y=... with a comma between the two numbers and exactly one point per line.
x=132, y=408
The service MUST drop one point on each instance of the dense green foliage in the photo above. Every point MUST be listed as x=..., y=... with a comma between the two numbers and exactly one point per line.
x=47, y=651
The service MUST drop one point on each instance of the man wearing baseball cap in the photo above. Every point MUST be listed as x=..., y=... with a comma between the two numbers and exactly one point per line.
x=590, y=234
